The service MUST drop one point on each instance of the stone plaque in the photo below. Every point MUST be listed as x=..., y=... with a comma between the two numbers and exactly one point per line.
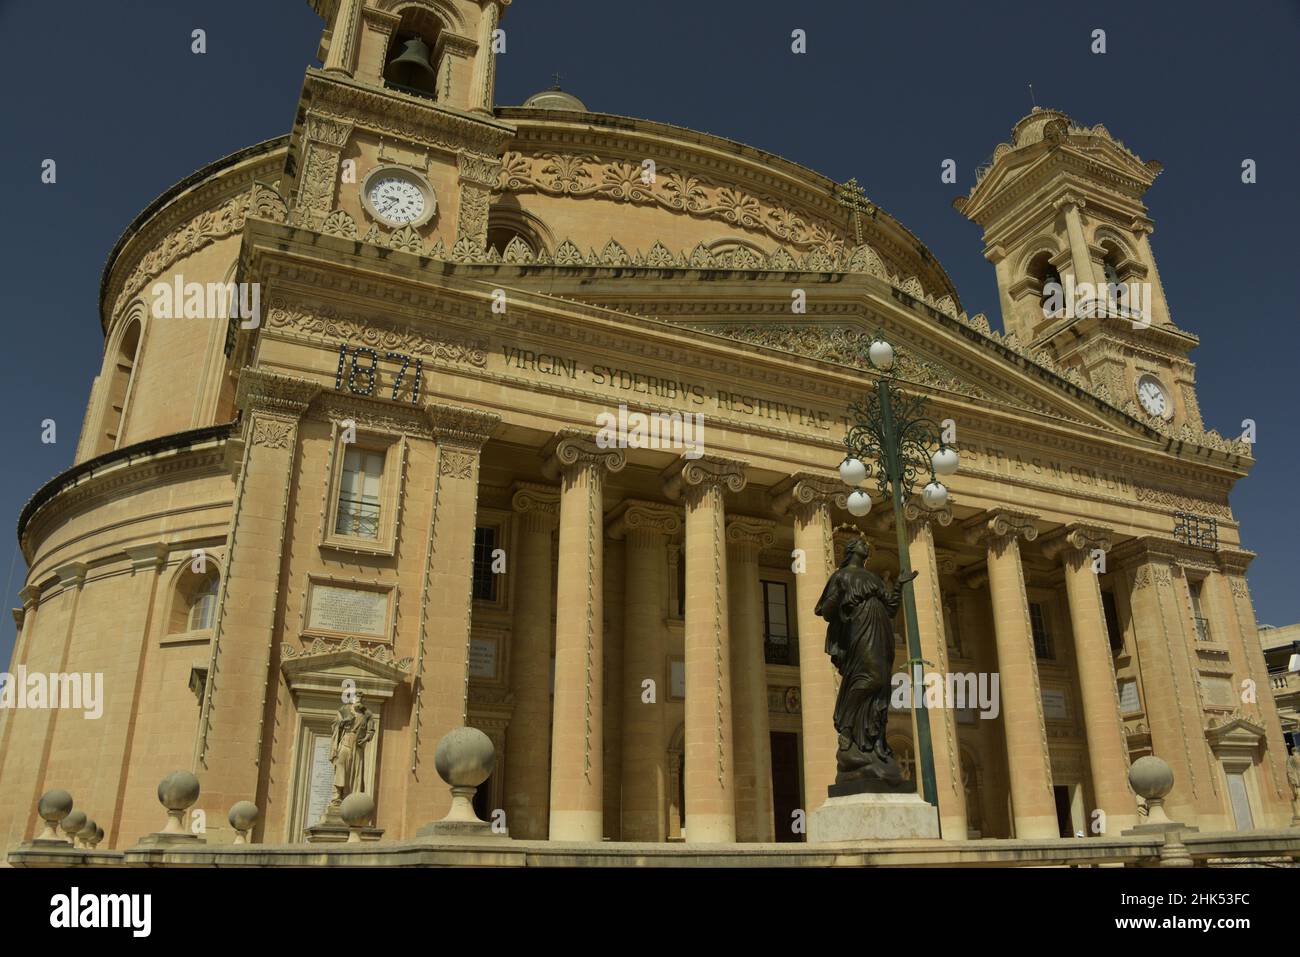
x=320, y=781
x=348, y=611
x=1128, y=697
x=1054, y=705
x=483, y=657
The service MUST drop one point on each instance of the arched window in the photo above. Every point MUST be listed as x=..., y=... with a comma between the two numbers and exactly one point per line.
x=1116, y=292
x=411, y=63
x=507, y=223
x=1051, y=291
x=117, y=388
x=194, y=604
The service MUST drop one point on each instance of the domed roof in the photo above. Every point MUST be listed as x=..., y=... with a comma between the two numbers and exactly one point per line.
x=1031, y=128
x=556, y=99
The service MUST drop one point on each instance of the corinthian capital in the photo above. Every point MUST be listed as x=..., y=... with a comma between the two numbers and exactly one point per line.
x=808, y=491
x=685, y=476
x=1000, y=525
x=1078, y=540
x=573, y=450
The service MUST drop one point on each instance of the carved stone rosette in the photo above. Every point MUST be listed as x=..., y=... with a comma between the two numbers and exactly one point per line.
x=692, y=478
x=572, y=451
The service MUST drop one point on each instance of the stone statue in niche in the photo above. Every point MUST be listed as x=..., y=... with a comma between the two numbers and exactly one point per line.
x=859, y=610
x=350, y=748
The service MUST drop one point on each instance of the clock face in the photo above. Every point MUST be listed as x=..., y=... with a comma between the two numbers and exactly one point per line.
x=396, y=199
x=1151, y=394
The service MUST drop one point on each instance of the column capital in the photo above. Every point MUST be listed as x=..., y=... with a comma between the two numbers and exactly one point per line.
x=328, y=131
x=1070, y=200
x=707, y=471
x=571, y=450
x=19, y=614
x=637, y=515
x=274, y=393
x=466, y=428
x=758, y=532
x=1077, y=539
x=1234, y=561
x=534, y=498
x=806, y=491
x=999, y=525
x=917, y=516
x=73, y=573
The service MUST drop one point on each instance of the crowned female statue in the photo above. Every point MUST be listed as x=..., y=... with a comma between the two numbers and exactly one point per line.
x=860, y=610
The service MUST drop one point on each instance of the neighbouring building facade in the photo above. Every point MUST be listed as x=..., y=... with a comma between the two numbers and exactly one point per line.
x=396, y=481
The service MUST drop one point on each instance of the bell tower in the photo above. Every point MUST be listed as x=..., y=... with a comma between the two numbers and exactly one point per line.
x=1067, y=233
x=395, y=140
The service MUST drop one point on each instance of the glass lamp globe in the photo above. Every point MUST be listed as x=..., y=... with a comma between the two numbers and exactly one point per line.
x=945, y=461
x=934, y=495
x=852, y=472
x=859, y=503
x=881, y=354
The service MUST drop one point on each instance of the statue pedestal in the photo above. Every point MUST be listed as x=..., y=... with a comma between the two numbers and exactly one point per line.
x=873, y=817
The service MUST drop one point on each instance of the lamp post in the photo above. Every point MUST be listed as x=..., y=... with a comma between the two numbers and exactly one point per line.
x=891, y=428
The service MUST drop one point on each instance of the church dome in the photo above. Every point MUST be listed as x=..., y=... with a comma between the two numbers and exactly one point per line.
x=555, y=99
x=1031, y=128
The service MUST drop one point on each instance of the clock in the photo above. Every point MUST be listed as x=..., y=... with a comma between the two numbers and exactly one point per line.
x=398, y=196
x=1153, y=397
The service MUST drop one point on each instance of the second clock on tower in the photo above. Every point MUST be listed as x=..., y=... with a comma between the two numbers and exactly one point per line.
x=398, y=196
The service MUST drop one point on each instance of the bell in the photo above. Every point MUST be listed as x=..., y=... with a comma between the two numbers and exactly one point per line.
x=411, y=68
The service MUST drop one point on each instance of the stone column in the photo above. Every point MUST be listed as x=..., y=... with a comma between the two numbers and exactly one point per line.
x=710, y=773
x=645, y=528
x=1162, y=627
x=1079, y=255
x=934, y=649
x=343, y=38
x=1078, y=547
x=528, y=741
x=1029, y=765
x=441, y=678
x=577, y=733
x=229, y=748
x=485, y=60
x=809, y=497
x=478, y=177
x=752, y=740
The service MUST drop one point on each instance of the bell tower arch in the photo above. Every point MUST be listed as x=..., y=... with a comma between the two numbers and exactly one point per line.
x=1067, y=232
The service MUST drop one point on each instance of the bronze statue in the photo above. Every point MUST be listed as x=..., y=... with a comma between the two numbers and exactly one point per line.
x=859, y=610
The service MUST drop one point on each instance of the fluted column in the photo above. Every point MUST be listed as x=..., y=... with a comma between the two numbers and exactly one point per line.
x=528, y=744
x=484, y=77
x=809, y=497
x=577, y=811
x=710, y=773
x=750, y=731
x=934, y=649
x=341, y=56
x=645, y=528
x=1077, y=545
x=1082, y=259
x=1029, y=764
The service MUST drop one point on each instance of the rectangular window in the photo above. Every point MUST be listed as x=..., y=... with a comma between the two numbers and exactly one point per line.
x=1202, y=623
x=485, y=582
x=1042, y=640
x=358, y=505
x=1111, y=612
x=776, y=624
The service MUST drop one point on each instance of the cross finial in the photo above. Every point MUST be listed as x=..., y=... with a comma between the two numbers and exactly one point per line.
x=852, y=195
x=1032, y=101
x=556, y=78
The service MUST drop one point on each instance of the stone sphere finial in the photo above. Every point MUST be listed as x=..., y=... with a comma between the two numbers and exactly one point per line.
x=357, y=811
x=243, y=815
x=465, y=758
x=53, y=807
x=177, y=792
x=73, y=822
x=99, y=836
x=1152, y=778
x=87, y=833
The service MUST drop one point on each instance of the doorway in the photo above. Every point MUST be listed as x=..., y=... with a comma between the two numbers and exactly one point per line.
x=785, y=784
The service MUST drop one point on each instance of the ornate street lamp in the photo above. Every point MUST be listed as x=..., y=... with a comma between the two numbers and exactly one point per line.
x=890, y=428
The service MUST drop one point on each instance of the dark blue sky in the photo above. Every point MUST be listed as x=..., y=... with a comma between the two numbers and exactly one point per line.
x=885, y=93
